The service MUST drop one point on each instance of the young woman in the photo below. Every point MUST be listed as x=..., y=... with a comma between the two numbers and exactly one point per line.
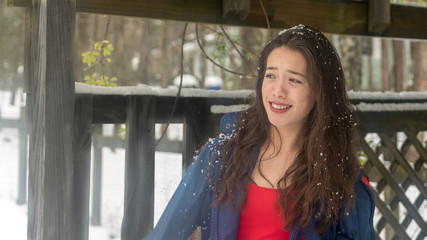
x=287, y=167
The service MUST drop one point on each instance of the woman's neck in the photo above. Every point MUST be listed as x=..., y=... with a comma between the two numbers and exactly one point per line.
x=286, y=141
x=276, y=156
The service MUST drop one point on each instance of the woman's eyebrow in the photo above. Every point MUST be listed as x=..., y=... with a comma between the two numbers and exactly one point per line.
x=271, y=68
x=290, y=71
x=296, y=73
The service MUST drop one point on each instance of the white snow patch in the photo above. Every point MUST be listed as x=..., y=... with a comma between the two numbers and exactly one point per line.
x=188, y=80
x=82, y=88
x=376, y=95
x=391, y=107
x=213, y=81
x=231, y=108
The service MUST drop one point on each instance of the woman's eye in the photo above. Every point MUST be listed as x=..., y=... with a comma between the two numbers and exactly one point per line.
x=295, y=80
x=271, y=76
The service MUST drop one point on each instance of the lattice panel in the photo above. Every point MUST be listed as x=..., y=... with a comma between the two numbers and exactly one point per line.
x=396, y=164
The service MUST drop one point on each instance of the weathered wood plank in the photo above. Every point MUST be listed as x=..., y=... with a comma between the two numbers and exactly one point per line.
x=195, y=129
x=82, y=156
x=111, y=108
x=394, y=185
x=379, y=15
x=174, y=146
x=52, y=115
x=412, y=174
x=139, y=168
x=402, y=121
x=236, y=9
x=97, y=177
x=23, y=157
x=417, y=145
x=339, y=17
x=385, y=211
x=24, y=123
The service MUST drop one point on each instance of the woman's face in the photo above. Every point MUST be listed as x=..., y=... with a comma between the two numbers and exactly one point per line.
x=287, y=95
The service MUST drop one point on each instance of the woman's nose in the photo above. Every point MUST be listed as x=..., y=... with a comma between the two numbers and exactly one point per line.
x=280, y=89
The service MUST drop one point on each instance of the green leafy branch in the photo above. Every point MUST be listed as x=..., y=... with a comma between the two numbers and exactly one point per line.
x=220, y=48
x=99, y=56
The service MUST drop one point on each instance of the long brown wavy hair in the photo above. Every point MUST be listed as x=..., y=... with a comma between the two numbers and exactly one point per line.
x=321, y=179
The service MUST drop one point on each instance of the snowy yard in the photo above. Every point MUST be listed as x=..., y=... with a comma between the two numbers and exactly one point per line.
x=13, y=218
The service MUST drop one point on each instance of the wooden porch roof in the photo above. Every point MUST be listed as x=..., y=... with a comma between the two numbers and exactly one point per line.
x=354, y=17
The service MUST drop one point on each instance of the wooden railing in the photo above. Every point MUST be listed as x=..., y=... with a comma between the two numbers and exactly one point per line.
x=140, y=111
x=390, y=167
x=394, y=127
x=383, y=114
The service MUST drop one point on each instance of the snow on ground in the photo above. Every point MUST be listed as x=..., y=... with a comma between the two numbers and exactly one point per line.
x=13, y=217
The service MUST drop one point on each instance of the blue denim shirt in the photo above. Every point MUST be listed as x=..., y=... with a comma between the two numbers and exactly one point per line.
x=192, y=203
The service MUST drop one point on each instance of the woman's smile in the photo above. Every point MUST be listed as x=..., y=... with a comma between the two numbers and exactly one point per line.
x=287, y=95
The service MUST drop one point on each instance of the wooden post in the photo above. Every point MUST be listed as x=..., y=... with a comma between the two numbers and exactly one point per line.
x=236, y=9
x=51, y=157
x=22, y=173
x=23, y=129
x=379, y=15
x=81, y=185
x=97, y=177
x=196, y=116
x=139, y=168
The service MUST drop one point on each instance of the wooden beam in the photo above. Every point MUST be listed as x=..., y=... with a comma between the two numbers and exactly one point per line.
x=111, y=108
x=51, y=158
x=402, y=121
x=338, y=17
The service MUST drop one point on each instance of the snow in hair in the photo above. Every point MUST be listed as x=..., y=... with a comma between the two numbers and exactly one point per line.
x=300, y=26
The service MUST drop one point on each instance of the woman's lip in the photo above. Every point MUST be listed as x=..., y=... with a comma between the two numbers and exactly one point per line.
x=274, y=109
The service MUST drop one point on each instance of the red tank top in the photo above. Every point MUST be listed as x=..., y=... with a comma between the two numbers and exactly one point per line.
x=261, y=217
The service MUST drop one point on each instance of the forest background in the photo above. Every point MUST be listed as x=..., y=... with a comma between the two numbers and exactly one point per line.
x=147, y=51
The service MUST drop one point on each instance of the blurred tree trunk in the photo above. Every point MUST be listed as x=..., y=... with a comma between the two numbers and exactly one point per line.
x=82, y=43
x=249, y=41
x=352, y=60
x=385, y=64
x=367, y=51
x=203, y=62
x=166, y=72
x=120, y=60
x=419, y=61
x=399, y=64
x=145, y=53
x=137, y=26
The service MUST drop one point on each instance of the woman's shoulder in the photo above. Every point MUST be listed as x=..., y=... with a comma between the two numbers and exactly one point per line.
x=229, y=121
x=359, y=221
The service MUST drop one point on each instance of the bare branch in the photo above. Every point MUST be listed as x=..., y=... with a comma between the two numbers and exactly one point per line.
x=211, y=60
x=240, y=54
x=179, y=89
